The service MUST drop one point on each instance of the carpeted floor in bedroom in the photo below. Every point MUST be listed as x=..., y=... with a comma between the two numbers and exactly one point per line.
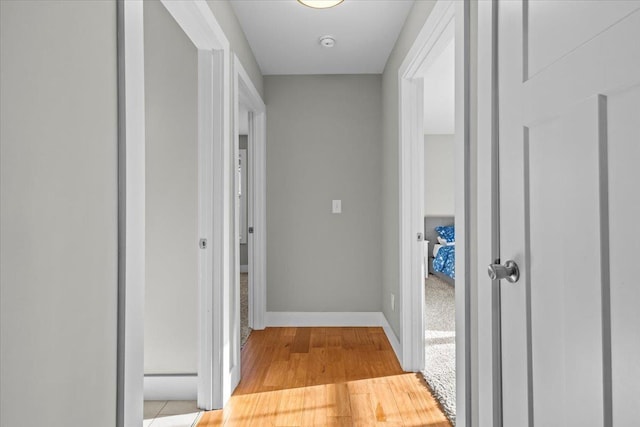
x=245, y=330
x=440, y=337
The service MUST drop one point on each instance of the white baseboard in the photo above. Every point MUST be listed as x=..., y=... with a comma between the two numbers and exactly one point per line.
x=244, y=269
x=344, y=319
x=319, y=319
x=393, y=339
x=170, y=387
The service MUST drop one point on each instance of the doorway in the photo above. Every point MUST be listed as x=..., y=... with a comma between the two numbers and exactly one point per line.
x=214, y=380
x=448, y=21
x=438, y=80
x=171, y=220
x=249, y=211
x=243, y=235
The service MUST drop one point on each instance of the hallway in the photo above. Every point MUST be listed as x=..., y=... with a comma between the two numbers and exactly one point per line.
x=325, y=377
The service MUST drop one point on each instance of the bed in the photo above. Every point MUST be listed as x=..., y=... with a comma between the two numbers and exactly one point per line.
x=440, y=232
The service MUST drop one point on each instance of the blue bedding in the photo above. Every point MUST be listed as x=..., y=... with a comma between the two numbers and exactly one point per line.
x=445, y=261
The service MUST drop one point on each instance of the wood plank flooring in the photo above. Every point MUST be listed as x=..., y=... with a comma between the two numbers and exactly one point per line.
x=325, y=377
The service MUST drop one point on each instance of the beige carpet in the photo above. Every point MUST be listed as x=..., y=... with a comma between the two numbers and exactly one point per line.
x=245, y=330
x=440, y=335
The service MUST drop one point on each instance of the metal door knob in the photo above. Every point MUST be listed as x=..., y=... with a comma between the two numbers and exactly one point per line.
x=508, y=271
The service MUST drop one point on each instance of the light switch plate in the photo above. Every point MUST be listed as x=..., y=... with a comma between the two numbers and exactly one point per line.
x=336, y=206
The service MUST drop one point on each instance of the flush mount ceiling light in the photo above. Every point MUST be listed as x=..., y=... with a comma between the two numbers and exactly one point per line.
x=320, y=4
x=327, y=41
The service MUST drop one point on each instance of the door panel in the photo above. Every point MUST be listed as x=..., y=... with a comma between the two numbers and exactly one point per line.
x=552, y=29
x=565, y=286
x=624, y=239
x=569, y=138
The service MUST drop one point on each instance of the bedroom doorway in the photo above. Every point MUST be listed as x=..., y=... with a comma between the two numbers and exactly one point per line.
x=212, y=382
x=435, y=202
x=243, y=235
x=249, y=305
x=438, y=80
x=243, y=215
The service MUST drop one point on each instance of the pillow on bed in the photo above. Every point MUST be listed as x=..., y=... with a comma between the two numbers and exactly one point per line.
x=447, y=232
x=444, y=242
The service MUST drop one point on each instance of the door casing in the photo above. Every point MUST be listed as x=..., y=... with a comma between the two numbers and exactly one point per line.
x=489, y=378
x=248, y=96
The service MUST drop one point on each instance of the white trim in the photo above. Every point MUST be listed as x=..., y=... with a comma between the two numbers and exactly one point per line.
x=199, y=24
x=463, y=189
x=488, y=314
x=170, y=387
x=211, y=182
x=446, y=18
x=247, y=94
x=258, y=210
x=131, y=215
x=320, y=319
x=392, y=337
x=206, y=64
x=335, y=319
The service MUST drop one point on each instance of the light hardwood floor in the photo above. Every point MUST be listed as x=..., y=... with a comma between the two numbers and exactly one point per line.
x=325, y=377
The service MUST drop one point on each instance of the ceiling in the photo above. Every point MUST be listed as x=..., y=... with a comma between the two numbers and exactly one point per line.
x=284, y=35
x=439, y=93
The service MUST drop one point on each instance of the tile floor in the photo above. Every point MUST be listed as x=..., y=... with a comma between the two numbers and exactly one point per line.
x=172, y=413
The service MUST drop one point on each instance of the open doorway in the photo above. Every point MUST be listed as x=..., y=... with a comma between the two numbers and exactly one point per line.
x=444, y=35
x=439, y=226
x=243, y=235
x=212, y=382
x=249, y=151
x=171, y=220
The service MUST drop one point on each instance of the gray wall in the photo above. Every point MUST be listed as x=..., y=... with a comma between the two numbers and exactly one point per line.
x=58, y=209
x=324, y=143
x=390, y=193
x=439, y=176
x=239, y=45
x=171, y=293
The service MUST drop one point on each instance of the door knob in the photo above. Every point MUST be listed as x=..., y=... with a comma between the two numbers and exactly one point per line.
x=509, y=271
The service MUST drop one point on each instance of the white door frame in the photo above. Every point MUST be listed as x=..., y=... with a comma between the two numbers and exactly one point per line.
x=437, y=31
x=246, y=94
x=214, y=219
x=489, y=376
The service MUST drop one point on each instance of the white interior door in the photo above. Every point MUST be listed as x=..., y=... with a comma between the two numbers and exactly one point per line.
x=569, y=138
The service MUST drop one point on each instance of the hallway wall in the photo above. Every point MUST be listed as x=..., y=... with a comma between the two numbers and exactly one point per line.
x=439, y=178
x=58, y=210
x=324, y=143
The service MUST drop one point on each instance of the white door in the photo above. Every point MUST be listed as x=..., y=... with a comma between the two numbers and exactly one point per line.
x=569, y=138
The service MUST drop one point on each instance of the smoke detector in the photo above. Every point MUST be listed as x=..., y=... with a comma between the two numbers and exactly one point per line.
x=327, y=41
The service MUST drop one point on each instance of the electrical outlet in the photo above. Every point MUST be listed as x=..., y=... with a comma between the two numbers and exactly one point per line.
x=393, y=302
